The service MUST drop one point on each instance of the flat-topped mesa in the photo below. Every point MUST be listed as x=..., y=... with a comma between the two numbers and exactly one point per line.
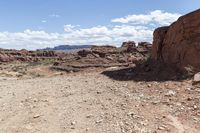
x=179, y=44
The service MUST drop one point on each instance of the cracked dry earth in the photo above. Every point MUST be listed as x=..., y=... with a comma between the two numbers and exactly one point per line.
x=93, y=103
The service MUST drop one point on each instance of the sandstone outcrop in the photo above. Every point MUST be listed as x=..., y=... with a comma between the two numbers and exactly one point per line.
x=106, y=56
x=129, y=46
x=179, y=44
x=9, y=55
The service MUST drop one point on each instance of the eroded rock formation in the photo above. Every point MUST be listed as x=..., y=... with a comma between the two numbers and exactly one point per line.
x=179, y=44
x=106, y=56
x=9, y=55
x=97, y=56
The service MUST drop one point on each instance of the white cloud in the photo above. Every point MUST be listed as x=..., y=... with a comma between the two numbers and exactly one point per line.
x=133, y=27
x=28, y=39
x=43, y=21
x=157, y=16
x=95, y=35
x=70, y=28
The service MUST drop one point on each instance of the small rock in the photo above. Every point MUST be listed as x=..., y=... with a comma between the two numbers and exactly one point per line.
x=190, y=88
x=99, y=121
x=131, y=114
x=166, y=84
x=73, y=123
x=36, y=116
x=161, y=128
x=88, y=116
x=196, y=79
x=196, y=119
x=195, y=107
x=149, y=85
x=98, y=92
x=170, y=93
x=155, y=102
x=189, y=99
x=35, y=100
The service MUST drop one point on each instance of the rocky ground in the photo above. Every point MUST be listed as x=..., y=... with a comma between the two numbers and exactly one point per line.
x=93, y=102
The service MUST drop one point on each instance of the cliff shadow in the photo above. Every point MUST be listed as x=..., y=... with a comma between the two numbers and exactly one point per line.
x=148, y=71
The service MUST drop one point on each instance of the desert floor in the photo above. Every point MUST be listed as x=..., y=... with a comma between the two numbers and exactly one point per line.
x=92, y=102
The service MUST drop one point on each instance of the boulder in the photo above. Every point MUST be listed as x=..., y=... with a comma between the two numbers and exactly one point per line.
x=179, y=44
x=84, y=53
x=129, y=46
x=196, y=78
x=102, y=51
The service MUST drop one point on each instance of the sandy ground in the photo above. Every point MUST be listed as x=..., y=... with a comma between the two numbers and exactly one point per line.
x=93, y=103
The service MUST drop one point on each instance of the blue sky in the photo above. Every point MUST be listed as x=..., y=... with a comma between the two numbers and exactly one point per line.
x=54, y=22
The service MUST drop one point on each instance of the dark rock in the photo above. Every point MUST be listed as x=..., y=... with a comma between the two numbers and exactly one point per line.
x=129, y=46
x=84, y=52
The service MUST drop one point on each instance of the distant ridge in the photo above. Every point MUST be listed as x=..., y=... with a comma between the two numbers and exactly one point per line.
x=67, y=48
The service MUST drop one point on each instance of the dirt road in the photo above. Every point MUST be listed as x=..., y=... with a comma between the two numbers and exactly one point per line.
x=93, y=103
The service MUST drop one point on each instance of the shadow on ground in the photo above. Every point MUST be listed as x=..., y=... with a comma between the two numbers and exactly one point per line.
x=148, y=71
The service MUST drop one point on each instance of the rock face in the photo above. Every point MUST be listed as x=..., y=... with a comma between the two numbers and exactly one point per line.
x=159, y=36
x=179, y=44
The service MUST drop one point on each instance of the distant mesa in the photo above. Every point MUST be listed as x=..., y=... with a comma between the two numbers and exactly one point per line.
x=66, y=48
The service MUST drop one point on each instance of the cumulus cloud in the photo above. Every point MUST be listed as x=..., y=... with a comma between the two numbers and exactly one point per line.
x=70, y=28
x=94, y=35
x=157, y=16
x=137, y=28
x=28, y=39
